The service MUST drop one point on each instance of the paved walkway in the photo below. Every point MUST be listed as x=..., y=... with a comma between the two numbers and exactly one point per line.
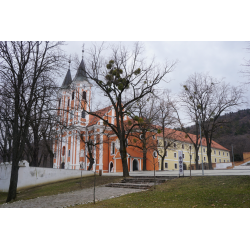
x=72, y=198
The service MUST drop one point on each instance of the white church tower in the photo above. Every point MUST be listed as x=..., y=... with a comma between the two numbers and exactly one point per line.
x=74, y=99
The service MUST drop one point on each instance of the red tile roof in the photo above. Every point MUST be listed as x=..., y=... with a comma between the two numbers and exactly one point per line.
x=94, y=119
x=181, y=136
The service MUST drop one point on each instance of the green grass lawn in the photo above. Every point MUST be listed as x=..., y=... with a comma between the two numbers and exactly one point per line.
x=60, y=187
x=195, y=192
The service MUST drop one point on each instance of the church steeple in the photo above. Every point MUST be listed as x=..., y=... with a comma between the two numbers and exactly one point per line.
x=67, y=80
x=81, y=73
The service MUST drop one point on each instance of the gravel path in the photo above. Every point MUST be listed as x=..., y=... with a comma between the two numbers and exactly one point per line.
x=72, y=198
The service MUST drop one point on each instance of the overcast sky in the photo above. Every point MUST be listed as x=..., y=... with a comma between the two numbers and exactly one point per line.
x=219, y=59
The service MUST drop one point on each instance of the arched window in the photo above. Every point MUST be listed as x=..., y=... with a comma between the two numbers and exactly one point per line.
x=73, y=95
x=84, y=95
x=59, y=104
x=68, y=102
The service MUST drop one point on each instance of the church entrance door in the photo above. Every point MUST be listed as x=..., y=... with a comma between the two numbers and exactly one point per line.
x=135, y=165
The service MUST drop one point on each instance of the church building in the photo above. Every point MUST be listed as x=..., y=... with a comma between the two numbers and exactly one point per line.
x=71, y=150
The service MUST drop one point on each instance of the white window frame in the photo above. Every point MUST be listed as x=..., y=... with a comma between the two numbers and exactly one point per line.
x=215, y=152
x=219, y=152
x=175, y=166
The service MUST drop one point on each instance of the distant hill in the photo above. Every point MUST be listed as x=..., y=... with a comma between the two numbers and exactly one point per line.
x=236, y=132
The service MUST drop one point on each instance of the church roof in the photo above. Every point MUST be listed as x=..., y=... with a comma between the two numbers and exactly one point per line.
x=67, y=80
x=101, y=112
x=81, y=73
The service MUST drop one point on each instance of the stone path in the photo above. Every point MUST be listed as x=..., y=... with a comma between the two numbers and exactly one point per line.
x=72, y=198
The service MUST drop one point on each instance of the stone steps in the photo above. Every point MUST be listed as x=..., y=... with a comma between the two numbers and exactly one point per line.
x=140, y=182
x=130, y=185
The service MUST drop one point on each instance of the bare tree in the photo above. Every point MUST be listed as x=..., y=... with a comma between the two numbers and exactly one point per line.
x=166, y=121
x=125, y=78
x=143, y=136
x=26, y=68
x=206, y=99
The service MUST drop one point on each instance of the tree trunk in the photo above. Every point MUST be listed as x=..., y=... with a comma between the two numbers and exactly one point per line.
x=196, y=158
x=209, y=151
x=13, y=182
x=144, y=159
x=123, y=153
x=162, y=162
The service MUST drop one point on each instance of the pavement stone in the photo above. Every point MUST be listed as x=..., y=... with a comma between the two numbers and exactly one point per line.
x=72, y=198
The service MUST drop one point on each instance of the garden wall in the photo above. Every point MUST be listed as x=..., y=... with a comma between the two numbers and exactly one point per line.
x=33, y=176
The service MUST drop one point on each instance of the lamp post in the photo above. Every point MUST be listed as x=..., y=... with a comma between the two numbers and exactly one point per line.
x=201, y=148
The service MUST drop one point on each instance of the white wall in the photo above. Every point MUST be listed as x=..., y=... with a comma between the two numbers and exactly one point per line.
x=223, y=165
x=32, y=176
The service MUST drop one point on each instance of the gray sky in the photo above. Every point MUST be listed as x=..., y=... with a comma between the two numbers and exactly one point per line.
x=219, y=59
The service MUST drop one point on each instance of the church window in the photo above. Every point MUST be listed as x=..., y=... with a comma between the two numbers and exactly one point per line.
x=112, y=148
x=83, y=114
x=59, y=103
x=69, y=153
x=84, y=95
x=68, y=102
x=73, y=95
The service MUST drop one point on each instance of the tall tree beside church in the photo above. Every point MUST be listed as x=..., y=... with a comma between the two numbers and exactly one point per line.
x=143, y=136
x=124, y=78
x=26, y=68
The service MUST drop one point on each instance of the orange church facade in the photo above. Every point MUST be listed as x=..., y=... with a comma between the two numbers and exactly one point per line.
x=71, y=151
